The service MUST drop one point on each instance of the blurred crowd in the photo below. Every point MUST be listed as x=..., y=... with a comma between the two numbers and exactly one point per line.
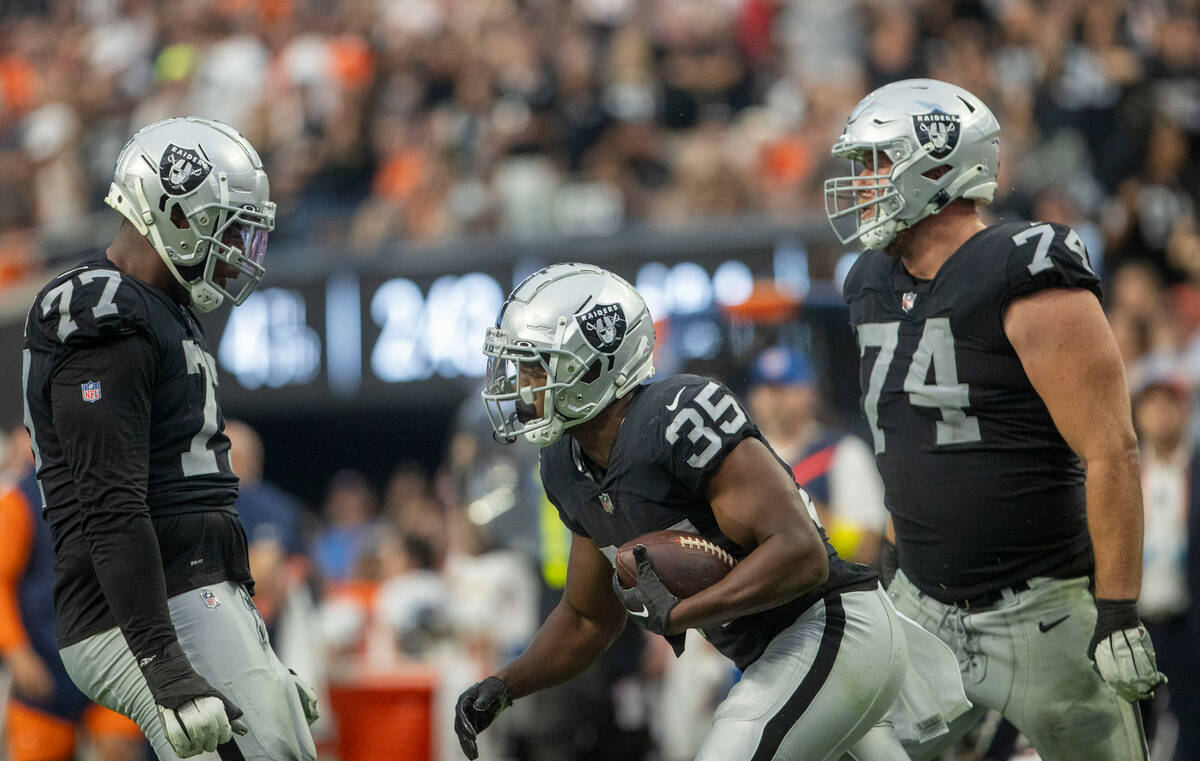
x=420, y=120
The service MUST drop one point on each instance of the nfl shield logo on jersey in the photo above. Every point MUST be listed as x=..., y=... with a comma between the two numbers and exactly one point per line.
x=907, y=300
x=607, y=503
x=91, y=391
x=210, y=599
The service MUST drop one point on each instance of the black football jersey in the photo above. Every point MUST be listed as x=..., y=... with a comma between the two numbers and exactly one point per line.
x=104, y=347
x=983, y=490
x=675, y=434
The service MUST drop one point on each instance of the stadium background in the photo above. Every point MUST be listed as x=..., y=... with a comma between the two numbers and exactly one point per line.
x=427, y=154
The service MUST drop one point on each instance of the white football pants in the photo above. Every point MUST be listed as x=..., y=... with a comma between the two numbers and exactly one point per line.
x=819, y=687
x=224, y=637
x=1026, y=657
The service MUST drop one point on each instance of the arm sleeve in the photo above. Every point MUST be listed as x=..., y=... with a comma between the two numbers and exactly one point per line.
x=106, y=444
x=16, y=535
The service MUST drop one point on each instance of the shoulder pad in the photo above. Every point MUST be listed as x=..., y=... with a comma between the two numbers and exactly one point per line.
x=91, y=302
x=697, y=421
x=1046, y=255
x=872, y=269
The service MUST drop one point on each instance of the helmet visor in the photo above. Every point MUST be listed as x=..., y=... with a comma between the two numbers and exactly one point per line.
x=254, y=243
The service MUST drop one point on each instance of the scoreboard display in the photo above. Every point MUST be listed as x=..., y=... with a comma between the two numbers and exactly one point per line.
x=355, y=337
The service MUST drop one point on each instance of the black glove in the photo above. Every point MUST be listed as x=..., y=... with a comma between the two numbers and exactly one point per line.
x=173, y=681
x=648, y=601
x=477, y=708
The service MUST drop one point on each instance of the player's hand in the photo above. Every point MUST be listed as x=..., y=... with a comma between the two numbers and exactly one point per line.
x=649, y=601
x=308, y=698
x=200, y=724
x=477, y=708
x=30, y=675
x=195, y=717
x=1122, y=651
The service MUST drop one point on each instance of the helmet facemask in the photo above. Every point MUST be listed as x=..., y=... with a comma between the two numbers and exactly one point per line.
x=237, y=238
x=517, y=373
x=865, y=203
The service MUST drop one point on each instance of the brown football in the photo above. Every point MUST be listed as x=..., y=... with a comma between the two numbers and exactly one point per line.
x=685, y=562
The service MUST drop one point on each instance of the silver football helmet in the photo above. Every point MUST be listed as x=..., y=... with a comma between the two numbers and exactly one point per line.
x=578, y=333
x=942, y=142
x=197, y=190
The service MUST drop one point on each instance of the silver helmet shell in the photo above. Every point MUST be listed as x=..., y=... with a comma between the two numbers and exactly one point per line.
x=186, y=183
x=942, y=143
x=576, y=332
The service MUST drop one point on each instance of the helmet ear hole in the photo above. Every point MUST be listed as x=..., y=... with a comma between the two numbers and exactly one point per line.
x=178, y=218
x=937, y=172
x=598, y=366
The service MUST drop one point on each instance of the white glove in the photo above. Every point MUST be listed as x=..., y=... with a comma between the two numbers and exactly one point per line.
x=1125, y=660
x=198, y=725
x=308, y=698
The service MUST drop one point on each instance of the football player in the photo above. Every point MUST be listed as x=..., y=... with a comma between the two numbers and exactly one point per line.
x=152, y=590
x=822, y=650
x=997, y=403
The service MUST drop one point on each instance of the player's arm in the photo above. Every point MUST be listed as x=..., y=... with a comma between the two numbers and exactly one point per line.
x=757, y=505
x=581, y=627
x=107, y=446
x=1070, y=355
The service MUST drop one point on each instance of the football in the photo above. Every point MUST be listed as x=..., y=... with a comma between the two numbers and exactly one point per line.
x=685, y=562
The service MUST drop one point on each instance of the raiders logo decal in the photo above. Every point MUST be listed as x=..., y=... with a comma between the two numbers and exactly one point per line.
x=938, y=130
x=603, y=326
x=182, y=170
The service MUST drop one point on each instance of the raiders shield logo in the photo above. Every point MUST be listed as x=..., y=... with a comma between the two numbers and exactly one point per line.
x=603, y=326
x=938, y=130
x=182, y=170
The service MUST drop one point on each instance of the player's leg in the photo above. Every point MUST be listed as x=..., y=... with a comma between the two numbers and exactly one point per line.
x=113, y=737
x=224, y=637
x=821, y=684
x=1059, y=701
x=225, y=640
x=34, y=735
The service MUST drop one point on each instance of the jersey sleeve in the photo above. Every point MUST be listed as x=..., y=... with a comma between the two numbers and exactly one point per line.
x=100, y=401
x=546, y=467
x=1047, y=255
x=90, y=305
x=701, y=422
